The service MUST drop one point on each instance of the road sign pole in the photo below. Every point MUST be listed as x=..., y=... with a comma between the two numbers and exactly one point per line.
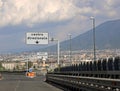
x=58, y=50
x=27, y=65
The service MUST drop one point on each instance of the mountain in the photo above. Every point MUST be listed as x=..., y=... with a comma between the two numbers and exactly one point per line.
x=107, y=35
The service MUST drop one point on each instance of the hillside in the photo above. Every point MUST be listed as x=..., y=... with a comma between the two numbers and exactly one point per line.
x=107, y=36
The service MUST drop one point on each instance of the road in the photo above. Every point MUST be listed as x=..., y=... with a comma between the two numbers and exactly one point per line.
x=15, y=82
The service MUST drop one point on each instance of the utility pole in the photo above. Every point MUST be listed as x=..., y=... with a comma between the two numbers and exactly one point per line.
x=70, y=47
x=58, y=50
x=94, y=48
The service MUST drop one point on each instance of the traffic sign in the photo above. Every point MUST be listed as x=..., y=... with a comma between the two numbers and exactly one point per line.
x=41, y=55
x=30, y=69
x=37, y=38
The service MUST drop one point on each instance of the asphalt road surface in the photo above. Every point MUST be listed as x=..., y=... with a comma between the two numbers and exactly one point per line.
x=15, y=82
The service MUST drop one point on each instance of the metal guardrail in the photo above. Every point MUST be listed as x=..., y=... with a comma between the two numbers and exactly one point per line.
x=99, y=75
x=80, y=83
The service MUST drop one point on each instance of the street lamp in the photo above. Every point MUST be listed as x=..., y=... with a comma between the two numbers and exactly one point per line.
x=93, y=21
x=70, y=46
x=58, y=50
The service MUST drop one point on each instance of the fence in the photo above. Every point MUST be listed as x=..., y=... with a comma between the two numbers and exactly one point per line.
x=101, y=75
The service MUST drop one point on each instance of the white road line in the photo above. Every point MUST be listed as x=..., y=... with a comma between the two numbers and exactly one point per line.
x=17, y=85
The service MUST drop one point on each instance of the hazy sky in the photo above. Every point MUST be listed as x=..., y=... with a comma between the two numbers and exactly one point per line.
x=57, y=17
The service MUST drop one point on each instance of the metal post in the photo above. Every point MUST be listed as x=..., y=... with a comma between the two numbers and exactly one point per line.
x=27, y=64
x=58, y=52
x=93, y=19
x=70, y=46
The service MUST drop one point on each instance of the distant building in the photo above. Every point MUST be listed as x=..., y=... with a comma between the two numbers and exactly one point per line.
x=13, y=65
x=9, y=65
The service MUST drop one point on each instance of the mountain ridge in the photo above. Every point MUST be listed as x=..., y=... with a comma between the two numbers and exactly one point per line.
x=107, y=36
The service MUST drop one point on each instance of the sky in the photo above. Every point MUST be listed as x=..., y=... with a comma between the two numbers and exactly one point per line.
x=59, y=18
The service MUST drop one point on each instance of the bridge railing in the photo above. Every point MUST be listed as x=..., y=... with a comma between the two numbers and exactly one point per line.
x=101, y=74
x=76, y=83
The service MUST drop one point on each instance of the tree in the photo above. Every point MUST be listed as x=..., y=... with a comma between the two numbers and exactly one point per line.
x=17, y=67
x=0, y=64
x=1, y=67
x=30, y=64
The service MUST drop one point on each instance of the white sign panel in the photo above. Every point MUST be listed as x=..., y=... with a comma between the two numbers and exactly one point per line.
x=37, y=38
x=41, y=55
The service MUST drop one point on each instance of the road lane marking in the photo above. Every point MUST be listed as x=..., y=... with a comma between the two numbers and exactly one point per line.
x=18, y=83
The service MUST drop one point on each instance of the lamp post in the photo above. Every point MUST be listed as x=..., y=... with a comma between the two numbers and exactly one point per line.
x=93, y=21
x=58, y=50
x=70, y=46
x=27, y=64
